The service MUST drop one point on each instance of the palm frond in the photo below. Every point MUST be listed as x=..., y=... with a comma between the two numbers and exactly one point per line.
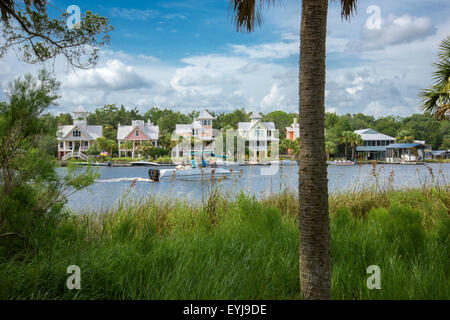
x=444, y=49
x=348, y=7
x=436, y=100
x=247, y=13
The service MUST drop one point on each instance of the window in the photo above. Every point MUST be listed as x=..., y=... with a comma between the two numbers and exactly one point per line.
x=70, y=145
x=76, y=133
x=269, y=133
x=137, y=133
x=86, y=144
x=378, y=143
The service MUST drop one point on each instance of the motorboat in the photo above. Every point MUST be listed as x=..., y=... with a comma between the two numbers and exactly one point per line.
x=93, y=164
x=341, y=162
x=284, y=162
x=189, y=173
x=144, y=164
x=226, y=163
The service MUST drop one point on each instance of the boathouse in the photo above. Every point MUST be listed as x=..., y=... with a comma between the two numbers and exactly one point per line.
x=374, y=146
x=405, y=153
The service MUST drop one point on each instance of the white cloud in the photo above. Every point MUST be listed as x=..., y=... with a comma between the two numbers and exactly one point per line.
x=115, y=75
x=276, y=50
x=148, y=58
x=133, y=14
x=394, y=30
x=274, y=99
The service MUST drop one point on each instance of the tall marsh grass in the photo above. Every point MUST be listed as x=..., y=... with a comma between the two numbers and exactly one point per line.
x=241, y=248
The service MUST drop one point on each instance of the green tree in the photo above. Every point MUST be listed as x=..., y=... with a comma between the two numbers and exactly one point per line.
x=281, y=120
x=315, y=260
x=285, y=145
x=231, y=119
x=436, y=100
x=127, y=145
x=32, y=193
x=26, y=26
x=387, y=125
x=355, y=140
x=404, y=136
x=346, y=139
x=331, y=143
x=445, y=143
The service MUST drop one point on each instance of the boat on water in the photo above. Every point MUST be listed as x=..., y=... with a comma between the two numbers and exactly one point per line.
x=189, y=173
x=341, y=163
x=94, y=164
x=226, y=163
x=144, y=164
x=284, y=162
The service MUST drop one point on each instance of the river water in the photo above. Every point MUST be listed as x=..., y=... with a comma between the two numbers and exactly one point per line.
x=117, y=183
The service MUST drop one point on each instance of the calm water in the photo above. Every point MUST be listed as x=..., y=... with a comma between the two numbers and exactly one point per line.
x=115, y=183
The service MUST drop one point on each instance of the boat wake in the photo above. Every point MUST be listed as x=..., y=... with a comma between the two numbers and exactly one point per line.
x=137, y=179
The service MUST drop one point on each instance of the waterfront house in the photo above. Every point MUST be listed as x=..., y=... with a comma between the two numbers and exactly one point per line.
x=405, y=152
x=139, y=132
x=292, y=133
x=75, y=139
x=201, y=129
x=428, y=148
x=258, y=136
x=374, y=146
x=439, y=154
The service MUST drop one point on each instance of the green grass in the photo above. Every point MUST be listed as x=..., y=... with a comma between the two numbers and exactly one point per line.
x=240, y=249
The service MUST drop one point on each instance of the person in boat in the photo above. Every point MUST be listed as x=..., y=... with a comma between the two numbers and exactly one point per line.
x=193, y=163
x=204, y=165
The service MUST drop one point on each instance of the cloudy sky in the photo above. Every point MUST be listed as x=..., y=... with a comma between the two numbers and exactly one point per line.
x=187, y=55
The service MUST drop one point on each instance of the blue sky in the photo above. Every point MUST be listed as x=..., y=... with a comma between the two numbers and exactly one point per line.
x=187, y=55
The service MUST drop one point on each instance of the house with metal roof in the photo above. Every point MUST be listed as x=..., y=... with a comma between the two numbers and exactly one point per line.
x=139, y=132
x=200, y=129
x=374, y=146
x=258, y=136
x=405, y=153
x=75, y=139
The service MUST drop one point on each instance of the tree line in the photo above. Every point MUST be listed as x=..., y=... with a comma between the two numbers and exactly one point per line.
x=339, y=128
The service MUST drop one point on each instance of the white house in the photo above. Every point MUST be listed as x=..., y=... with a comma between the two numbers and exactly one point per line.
x=258, y=135
x=139, y=132
x=375, y=143
x=74, y=139
x=201, y=129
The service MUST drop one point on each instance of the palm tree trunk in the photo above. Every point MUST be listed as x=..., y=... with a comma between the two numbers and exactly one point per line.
x=315, y=262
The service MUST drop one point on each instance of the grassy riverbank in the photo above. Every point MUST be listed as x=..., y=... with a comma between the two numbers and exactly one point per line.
x=240, y=249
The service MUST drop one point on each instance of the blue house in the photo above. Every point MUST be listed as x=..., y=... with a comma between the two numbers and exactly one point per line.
x=375, y=143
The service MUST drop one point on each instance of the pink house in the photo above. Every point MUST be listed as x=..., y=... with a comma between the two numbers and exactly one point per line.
x=137, y=133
